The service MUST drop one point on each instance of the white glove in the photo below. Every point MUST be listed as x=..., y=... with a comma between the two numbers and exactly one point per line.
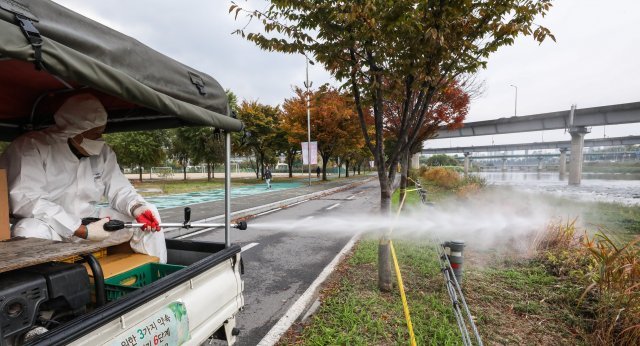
x=96, y=232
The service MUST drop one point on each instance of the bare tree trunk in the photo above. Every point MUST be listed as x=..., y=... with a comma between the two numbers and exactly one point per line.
x=325, y=161
x=140, y=172
x=346, y=168
x=208, y=171
x=184, y=172
x=213, y=170
x=290, y=159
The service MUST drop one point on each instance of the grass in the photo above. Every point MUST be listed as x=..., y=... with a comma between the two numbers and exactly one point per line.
x=624, y=220
x=520, y=303
x=615, y=167
x=151, y=187
x=355, y=312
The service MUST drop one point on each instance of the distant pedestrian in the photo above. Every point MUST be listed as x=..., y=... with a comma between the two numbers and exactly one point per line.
x=318, y=171
x=267, y=178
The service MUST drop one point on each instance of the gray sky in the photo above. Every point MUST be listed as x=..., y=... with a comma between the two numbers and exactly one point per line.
x=595, y=61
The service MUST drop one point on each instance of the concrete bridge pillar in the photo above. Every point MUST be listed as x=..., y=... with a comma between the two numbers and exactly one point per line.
x=504, y=164
x=563, y=162
x=577, y=145
x=540, y=163
x=466, y=162
x=415, y=161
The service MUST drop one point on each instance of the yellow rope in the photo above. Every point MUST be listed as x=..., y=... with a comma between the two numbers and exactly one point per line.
x=405, y=305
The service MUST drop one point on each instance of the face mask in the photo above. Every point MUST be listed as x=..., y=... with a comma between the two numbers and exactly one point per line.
x=92, y=147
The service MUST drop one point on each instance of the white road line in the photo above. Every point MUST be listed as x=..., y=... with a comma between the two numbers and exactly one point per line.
x=296, y=203
x=248, y=246
x=298, y=307
x=351, y=197
x=268, y=212
x=196, y=233
x=333, y=206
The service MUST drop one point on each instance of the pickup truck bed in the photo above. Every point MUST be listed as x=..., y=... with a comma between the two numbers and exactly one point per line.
x=209, y=290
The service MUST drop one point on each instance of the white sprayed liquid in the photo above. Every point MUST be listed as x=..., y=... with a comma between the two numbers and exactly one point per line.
x=485, y=220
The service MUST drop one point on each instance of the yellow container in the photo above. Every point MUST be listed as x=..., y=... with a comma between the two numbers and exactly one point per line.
x=115, y=264
x=75, y=258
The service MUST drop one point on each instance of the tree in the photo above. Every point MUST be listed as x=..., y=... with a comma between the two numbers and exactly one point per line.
x=207, y=146
x=182, y=146
x=380, y=48
x=261, y=122
x=334, y=123
x=144, y=148
x=441, y=160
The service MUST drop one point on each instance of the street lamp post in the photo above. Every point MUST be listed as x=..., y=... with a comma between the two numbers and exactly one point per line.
x=515, y=108
x=308, y=85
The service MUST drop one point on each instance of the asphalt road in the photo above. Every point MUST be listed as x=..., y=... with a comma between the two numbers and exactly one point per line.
x=281, y=265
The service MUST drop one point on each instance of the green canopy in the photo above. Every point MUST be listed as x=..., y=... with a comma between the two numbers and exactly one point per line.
x=68, y=53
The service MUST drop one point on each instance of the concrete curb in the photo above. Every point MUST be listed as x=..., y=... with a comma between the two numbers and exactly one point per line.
x=247, y=213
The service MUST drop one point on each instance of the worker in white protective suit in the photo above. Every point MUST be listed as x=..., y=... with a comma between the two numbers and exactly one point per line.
x=59, y=175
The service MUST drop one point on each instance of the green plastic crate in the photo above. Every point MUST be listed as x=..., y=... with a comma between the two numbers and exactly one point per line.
x=121, y=284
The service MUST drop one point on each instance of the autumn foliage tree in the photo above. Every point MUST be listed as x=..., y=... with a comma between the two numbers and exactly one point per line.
x=261, y=123
x=334, y=122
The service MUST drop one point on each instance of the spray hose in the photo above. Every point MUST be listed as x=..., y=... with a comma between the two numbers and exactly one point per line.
x=116, y=225
x=403, y=296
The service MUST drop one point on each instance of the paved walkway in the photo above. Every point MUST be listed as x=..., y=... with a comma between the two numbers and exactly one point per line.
x=211, y=209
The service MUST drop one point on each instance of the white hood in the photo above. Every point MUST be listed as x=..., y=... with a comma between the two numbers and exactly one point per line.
x=78, y=114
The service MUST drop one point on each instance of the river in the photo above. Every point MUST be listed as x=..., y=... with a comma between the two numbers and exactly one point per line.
x=621, y=188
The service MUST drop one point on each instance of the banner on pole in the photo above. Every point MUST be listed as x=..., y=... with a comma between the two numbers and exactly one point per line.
x=314, y=153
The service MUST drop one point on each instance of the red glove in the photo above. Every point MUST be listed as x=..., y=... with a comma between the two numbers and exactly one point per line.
x=149, y=220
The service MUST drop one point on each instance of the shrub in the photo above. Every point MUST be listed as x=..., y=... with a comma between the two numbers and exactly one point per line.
x=477, y=180
x=442, y=177
x=560, y=249
x=441, y=160
x=468, y=190
x=610, y=273
x=617, y=285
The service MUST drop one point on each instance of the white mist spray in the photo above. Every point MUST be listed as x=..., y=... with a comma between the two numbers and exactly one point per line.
x=486, y=220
